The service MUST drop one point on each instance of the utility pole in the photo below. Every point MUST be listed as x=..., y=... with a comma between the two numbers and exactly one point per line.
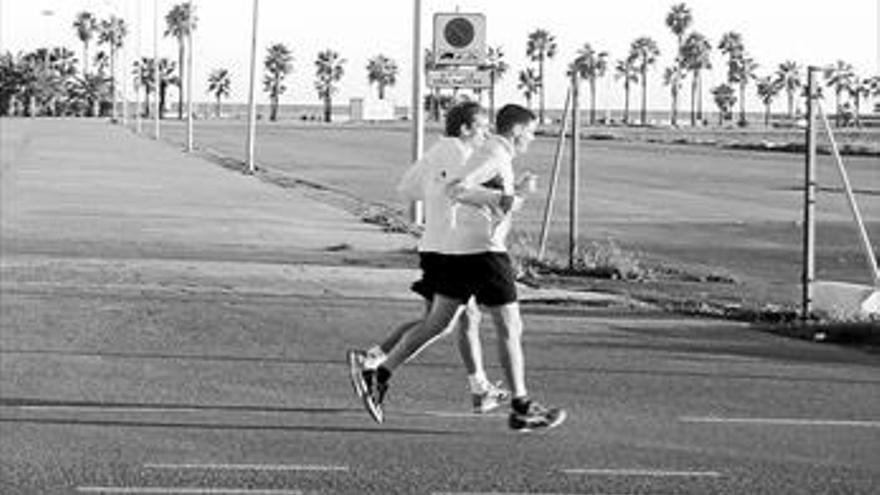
x=809, y=261
x=252, y=93
x=417, y=114
x=189, y=77
x=575, y=159
x=156, y=78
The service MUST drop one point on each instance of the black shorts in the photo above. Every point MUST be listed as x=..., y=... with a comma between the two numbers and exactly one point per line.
x=488, y=277
x=431, y=265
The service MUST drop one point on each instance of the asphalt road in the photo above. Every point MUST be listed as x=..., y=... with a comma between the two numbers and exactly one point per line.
x=162, y=357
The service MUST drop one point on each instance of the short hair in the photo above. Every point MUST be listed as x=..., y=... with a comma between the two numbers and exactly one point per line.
x=462, y=114
x=511, y=115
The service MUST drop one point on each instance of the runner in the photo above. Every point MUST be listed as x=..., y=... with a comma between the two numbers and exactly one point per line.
x=476, y=264
x=466, y=127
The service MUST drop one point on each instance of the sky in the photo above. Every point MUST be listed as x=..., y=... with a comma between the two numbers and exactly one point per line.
x=811, y=32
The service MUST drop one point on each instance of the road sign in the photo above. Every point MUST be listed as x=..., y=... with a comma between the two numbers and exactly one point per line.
x=459, y=78
x=459, y=39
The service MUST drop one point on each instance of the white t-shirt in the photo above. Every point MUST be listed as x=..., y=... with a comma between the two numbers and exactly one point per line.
x=426, y=181
x=478, y=226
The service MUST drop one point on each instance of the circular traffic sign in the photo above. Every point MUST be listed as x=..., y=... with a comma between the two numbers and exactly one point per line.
x=459, y=32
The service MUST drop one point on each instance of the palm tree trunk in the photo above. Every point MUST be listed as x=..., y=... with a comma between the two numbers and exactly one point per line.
x=592, y=101
x=541, y=79
x=181, y=52
x=85, y=58
x=328, y=105
x=742, y=104
x=699, y=77
x=146, y=103
x=626, y=101
x=857, y=102
x=381, y=91
x=694, y=100
x=674, y=111
x=113, y=81
x=837, y=107
x=492, y=96
x=790, y=104
x=644, y=96
x=767, y=114
x=218, y=107
x=273, y=108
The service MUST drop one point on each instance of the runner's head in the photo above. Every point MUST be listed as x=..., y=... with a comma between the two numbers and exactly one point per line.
x=467, y=121
x=517, y=124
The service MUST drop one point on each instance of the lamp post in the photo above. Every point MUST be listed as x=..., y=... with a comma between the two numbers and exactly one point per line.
x=418, y=121
x=252, y=94
x=189, y=74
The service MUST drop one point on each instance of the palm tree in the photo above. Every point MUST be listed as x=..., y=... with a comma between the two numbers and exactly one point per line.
x=788, y=75
x=497, y=67
x=695, y=57
x=219, y=84
x=672, y=77
x=725, y=99
x=329, y=71
x=93, y=89
x=86, y=26
x=767, y=88
x=179, y=21
x=541, y=46
x=645, y=52
x=731, y=44
x=278, y=64
x=858, y=89
x=839, y=76
x=678, y=20
x=742, y=71
x=113, y=32
x=529, y=83
x=145, y=75
x=591, y=65
x=626, y=69
x=382, y=71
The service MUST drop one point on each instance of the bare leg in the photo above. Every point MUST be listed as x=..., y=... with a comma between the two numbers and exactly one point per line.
x=508, y=324
x=397, y=334
x=468, y=338
x=444, y=310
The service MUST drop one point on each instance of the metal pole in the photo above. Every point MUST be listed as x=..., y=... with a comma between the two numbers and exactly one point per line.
x=189, y=77
x=809, y=261
x=851, y=199
x=137, y=93
x=417, y=114
x=557, y=163
x=156, y=81
x=124, y=64
x=575, y=158
x=252, y=94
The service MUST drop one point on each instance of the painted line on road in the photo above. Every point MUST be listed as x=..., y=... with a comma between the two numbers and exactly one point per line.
x=658, y=473
x=457, y=414
x=99, y=407
x=248, y=467
x=182, y=490
x=780, y=421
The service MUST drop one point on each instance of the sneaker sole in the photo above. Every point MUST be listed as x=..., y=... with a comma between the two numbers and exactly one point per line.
x=373, y=410
x=354, y=374
x=553, y=424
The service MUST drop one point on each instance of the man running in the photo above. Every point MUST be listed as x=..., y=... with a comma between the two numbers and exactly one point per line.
x=476, y=264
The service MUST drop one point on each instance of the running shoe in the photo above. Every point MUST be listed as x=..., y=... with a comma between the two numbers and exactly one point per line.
x=366, y=385
x=536, y=418
x=490, y=398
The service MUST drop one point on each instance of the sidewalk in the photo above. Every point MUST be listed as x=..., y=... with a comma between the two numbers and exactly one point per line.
x=91, y=205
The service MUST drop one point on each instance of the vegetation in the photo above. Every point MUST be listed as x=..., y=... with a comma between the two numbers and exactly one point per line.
x=180, y=22
x=219, y=84
x=540, y=47
x=591, y=65
x=278, y=64
x=644, y=52
x=328, y=72
x=382, y=71
x=53, y=81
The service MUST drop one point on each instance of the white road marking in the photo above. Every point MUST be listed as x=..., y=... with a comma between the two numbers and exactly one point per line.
x=249, y=467
x=644, y=472
x=515, y=493
x=457, y=414
x=163, y=410
x=183, y=490
x=781, y=421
